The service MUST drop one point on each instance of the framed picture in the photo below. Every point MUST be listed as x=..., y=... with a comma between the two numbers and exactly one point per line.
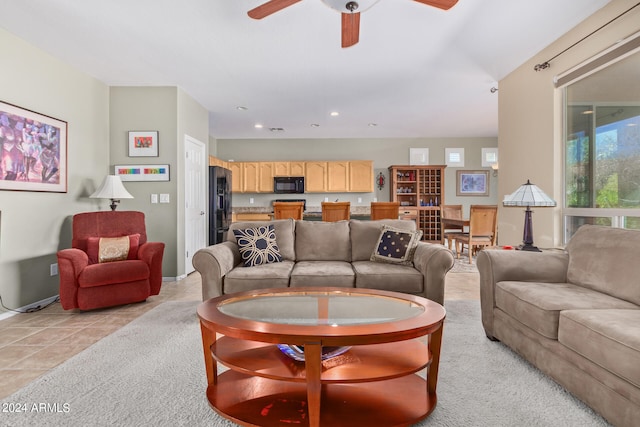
x=143, y=143
x=33, y=151
x=143, y=172
x=454, y=157
x=472, y=183
x=418, y=156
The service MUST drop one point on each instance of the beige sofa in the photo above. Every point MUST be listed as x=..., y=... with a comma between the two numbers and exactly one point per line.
x=574, y=314
x=317, y=253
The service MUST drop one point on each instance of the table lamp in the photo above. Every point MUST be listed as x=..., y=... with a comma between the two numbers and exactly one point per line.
x=528, y=195
x=112, y=189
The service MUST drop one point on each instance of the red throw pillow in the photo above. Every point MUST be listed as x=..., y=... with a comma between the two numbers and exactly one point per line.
x=93, y=248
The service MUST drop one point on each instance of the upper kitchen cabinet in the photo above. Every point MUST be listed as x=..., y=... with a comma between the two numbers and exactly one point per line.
x=250, y=177
x=315, y=178
x=337, y=177
x=361, y=176
x=288, y=168
x=265, y=177
x=236, y=176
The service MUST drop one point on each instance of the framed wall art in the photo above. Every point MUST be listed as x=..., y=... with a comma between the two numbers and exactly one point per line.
x=472, y=183
x=142, y=172
x=33, y=151
x=143, y=143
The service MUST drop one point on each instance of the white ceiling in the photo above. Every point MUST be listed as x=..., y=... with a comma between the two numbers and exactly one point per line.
x=418, y=71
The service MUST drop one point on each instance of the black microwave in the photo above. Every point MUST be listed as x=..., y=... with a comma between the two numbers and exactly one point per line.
x=288, y=184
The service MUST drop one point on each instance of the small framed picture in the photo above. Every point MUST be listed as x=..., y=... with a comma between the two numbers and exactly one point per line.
x=143, y=172
x=143, y=143
x=472, y=183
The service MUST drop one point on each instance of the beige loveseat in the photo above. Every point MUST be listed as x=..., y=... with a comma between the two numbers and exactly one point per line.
x=319, y=253
x=574, y=314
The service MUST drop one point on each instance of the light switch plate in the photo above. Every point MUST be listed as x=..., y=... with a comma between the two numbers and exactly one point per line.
x=164, y=198
x=154, y=198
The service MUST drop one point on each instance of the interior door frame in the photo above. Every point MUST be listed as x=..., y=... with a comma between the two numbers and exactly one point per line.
x=188, y=267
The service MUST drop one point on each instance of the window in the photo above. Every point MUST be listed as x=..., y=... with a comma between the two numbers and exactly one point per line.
x=602, y=148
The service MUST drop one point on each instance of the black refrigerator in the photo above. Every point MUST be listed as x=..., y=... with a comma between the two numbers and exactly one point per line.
x=219, y=204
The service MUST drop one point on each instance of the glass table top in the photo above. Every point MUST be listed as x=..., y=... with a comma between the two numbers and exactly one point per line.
x=322, y=308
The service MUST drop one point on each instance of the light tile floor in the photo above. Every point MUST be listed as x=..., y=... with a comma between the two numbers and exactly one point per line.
x=34, y=343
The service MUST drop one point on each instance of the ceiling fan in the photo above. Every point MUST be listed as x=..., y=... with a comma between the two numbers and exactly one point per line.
x=350, y=11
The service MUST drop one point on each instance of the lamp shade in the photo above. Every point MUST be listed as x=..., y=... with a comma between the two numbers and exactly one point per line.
x=528, y=195
x=111, y=188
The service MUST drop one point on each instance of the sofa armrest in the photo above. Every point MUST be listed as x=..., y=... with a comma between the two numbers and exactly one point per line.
x=151, y=253
x=433, y=261
x=71, y=262
x=213, y=263
x=499, y=265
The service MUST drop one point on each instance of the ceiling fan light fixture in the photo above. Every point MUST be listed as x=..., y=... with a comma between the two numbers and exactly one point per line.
x=343, y=6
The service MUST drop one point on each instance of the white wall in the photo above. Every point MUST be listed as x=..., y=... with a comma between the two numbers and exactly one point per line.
x=530, y=122
x=35, y=225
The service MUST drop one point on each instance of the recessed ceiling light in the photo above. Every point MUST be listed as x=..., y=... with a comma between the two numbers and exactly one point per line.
x=241, y=108
x=334, y=114
x=258, y=126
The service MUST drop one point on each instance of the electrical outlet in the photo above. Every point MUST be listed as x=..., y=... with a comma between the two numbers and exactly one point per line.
x=53, y=269
x=250, y=200
x=359, y=199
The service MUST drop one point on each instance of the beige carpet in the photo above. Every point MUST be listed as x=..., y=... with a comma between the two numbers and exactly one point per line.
x=151, y=372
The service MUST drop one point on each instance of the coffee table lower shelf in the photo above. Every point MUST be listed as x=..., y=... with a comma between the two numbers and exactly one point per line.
x=255, y=401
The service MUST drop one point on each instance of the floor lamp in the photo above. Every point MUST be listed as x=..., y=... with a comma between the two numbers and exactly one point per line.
x=528, y=195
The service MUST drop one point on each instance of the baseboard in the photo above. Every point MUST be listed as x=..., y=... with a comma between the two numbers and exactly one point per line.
x=174, y=279
x=29, y=308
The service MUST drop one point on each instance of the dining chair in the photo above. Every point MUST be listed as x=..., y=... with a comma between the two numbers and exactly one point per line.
x=482, y=230
x=336, y=211
x=451, y=231
x=286, y=210
x=385, y=210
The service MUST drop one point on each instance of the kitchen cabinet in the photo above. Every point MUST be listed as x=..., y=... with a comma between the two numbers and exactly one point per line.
x=288, y=168
x=338, y=177
x=265, y=177
x=420, y=191
x=361, y=176
x=250, y=176
x=236, y=176
x=315, y=177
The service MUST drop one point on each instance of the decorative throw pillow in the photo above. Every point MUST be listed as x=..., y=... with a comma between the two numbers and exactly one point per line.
x=107, y=249
x=396, y=246
x=258, y=245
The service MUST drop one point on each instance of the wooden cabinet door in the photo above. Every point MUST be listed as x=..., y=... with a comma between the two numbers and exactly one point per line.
x=236, y=176
x=316, y=177
x=281, y=169
x=361, y=176
x=338, y=177
x=250, y=177
x=265, y=184
x=297, y=168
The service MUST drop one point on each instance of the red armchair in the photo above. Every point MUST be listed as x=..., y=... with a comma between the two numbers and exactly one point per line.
x=86, y=283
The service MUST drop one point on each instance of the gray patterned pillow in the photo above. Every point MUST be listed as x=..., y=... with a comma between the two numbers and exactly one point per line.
x=258, y=245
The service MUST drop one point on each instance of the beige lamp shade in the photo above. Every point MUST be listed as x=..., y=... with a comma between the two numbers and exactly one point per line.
x=112, y=189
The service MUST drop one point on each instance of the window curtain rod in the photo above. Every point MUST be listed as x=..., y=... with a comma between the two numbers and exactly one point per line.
x=546, y=64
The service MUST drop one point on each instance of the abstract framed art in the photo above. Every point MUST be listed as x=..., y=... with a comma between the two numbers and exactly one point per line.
x=472, y=183
x=143, y=143
x=33, y=151
x=143, y=172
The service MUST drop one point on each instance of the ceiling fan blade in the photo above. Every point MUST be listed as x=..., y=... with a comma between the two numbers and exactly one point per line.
x=350, y=28
x=270, y=7
x=440, y=4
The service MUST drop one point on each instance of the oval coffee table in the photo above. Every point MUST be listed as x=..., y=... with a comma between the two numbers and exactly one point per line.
x=392, y=337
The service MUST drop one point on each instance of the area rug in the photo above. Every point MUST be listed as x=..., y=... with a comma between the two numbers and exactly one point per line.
x=461, y=265
x=151, y=372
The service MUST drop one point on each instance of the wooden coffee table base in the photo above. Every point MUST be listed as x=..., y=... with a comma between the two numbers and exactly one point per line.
x=376, y=383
